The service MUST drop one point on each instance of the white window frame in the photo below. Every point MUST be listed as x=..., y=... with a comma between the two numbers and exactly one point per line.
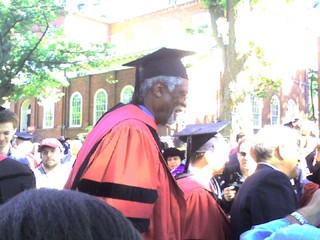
x=275, y=110
x=124, y=95
x=96, y=117
x=71, y=117
x=291, y=110
x=256, y=110
x=48, y=114
x=25, y=110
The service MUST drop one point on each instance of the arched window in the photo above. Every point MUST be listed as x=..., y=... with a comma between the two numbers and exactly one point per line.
x=126, y=94
x=100, y=104
x=48, y=113
x=291, y=111
x=25, y=114
x=76, y=110
x=256, y=112
x=275, y=110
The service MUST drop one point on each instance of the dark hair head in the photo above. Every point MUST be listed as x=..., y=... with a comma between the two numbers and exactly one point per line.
x=8, y=116
x=173, y=152
x=239, y=136
x=62, y=214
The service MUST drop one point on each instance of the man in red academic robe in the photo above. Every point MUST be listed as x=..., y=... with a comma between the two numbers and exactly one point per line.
x=207, y=153
x=205, y=219
x=121, y=161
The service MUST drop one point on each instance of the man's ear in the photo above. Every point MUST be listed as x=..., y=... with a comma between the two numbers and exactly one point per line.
x=158, y=89
x=253, y=154
x=284, y=152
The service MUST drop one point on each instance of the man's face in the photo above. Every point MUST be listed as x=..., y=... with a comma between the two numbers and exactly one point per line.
x=171, y=103
x=290, y=155
x=51, y=157
x=173, y=162
x=6, y=133
x=244, y=157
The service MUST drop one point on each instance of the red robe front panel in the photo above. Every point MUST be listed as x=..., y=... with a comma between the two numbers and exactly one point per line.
x=127, y=171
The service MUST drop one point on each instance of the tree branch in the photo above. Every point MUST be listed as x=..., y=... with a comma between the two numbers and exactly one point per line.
x=22, y=63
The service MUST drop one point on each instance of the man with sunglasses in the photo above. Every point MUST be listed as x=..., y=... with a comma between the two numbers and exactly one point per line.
x=235, y=173
x=268, y=193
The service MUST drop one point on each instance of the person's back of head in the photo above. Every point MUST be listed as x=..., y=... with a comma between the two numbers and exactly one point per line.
x=278, y=146
x=240, y=136
x=269, y=138
x=15, y=177
x=62, y=214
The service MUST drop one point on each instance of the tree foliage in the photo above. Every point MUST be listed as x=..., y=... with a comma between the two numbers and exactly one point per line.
x=233, y=62
x=262, y=82
x=34, y=52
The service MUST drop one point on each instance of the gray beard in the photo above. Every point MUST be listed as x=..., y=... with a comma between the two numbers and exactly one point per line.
x=172, y=118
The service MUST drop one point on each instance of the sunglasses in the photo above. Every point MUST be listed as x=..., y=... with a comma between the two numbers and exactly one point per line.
x=243, y=154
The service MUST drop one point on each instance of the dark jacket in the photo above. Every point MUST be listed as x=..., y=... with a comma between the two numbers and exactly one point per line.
x=264, y=196
x=231, y=176
x=15, y=177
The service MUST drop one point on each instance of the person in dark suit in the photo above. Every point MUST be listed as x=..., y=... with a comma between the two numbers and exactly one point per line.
x=268, y=193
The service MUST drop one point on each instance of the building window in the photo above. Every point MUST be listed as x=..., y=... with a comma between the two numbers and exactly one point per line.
x=291, y=111
x=126, y=94
x=25, y=116
x=100, y=104
x=48, y=114
x=76, y=110
x=275, y=110
x=256, y=112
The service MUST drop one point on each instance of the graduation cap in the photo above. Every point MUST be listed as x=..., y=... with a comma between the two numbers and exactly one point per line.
x=200, y=137
x=172, y=152
x=24, y=135
x=163, y=62
x=315, y=175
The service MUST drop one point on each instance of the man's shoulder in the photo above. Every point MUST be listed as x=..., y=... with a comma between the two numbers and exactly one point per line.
x=189, y=184
x=129, y=113
x=10, y=167
x=18, y=156
x=39, y=171
x=266, y=178
x=269, y=172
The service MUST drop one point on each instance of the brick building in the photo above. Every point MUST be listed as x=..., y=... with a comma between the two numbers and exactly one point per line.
x=88, y=96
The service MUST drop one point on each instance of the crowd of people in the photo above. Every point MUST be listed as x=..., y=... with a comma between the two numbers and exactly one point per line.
x=122, y=184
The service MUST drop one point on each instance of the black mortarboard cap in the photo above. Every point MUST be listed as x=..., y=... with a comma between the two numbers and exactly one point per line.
x=172, y=152
x=315, y=175
x=197, y=137
x=163, y=62
x=24, y=135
